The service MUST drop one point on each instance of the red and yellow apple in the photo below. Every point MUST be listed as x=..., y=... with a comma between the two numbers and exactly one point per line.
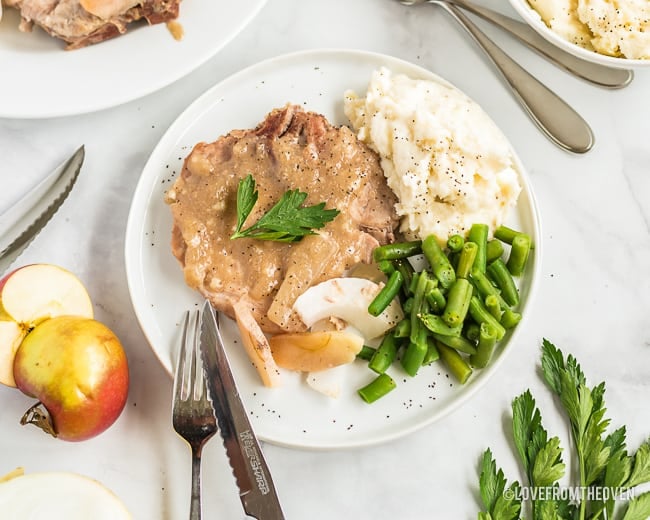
x=30, y=295
x=77, y=369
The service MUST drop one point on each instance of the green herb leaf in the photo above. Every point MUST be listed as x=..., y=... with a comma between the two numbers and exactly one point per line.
x=507, y=507
x=638, y=508
x=286, y=221
x=641, y=468
x=499, y=504
x=548, y=467
x=491, y=481
x=246, y=199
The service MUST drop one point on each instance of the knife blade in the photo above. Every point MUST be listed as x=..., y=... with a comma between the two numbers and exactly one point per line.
x=32, y=216
x=256, y=490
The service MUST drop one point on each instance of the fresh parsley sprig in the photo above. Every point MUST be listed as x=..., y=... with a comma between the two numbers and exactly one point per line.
x=286, y=221
x=602, y=460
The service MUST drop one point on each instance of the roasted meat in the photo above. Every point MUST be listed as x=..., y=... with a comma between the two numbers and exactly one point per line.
x=291, y=149
x=84, y=22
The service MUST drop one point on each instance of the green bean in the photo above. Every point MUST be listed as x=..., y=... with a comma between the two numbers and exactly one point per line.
x=366, y=353
x=384, y=355
x=436, y=324
x=432, y=352
x=377, y=388
x=407, y=306
x=480, y=314
x=471, y=331
x=455, y=243
x=434, y=296
x=397, y=250
x=457, y=343
x=493, y=250
x=386, y=267
x=486, y=288
x=439, y=262
x=507, y=235
x=404, y=266
x=418, y=300
x=510, y=318
x=478, y=234
x=486, y=342
x=417, y=346
x=466, y=259
x=414, y=283
x=403, y=328
x=387, y=294
x=415, y=353
x=499, y=274
x=454, y=362
x=492, y=305
x=518, y=254
x=457, y=303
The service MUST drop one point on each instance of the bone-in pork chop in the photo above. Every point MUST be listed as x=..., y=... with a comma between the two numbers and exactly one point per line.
x=83, y=22
x=291, y=149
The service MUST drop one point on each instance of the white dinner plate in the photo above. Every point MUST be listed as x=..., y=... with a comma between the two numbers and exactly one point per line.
x=294, y=414
x=40, y=79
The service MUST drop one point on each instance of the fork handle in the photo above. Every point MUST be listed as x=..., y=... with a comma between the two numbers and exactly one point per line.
x=557, y=120
x=195, y=500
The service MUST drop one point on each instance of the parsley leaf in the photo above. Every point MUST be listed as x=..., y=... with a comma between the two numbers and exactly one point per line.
x=641, y=469
x=638, y=508
x=286, y=221
x=492, y=484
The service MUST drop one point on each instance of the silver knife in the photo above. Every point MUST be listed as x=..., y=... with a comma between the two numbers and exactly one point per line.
x=256, y=489
x=33, y=212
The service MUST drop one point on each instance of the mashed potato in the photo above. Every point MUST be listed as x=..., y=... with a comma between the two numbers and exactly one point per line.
x=613, y=27
x=446, y=161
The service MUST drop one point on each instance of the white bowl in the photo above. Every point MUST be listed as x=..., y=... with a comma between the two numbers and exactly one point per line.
x=532, y=17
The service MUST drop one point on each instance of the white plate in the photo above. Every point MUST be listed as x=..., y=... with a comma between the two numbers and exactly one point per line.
x=40, y=79
x=293, y=415
x=532, y=17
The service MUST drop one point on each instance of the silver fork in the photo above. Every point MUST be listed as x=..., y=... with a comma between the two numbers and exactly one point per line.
x=192, y=414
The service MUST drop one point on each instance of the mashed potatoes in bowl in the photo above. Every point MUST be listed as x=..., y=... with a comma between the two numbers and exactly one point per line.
x=610, y=32
x=445, y=159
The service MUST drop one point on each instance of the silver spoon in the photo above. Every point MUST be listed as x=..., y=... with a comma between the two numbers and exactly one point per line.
x=555, y=118
x=601, y=75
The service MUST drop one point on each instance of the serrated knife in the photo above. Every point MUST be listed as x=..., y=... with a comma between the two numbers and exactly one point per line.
x=256, y=490
x=28, y=216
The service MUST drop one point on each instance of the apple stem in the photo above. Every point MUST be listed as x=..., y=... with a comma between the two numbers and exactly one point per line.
x=36, y=416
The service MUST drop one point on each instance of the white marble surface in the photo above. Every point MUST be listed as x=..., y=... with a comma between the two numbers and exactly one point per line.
x=593, y=300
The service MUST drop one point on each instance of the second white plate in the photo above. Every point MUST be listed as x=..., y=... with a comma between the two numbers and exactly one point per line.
x=293, y=415
x=42, y=80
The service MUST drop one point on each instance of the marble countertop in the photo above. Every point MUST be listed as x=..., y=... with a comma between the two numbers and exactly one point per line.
x=593, y=299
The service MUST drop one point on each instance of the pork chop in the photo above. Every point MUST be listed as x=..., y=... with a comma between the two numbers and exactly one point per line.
x=83, y=22
x=291, y=149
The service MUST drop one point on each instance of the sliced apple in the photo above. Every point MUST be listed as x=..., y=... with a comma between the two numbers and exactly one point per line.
x=58, y=496
x=314, y=351
x=347, y=299
x=11, y=335
x=256, y=345
x=30, y=295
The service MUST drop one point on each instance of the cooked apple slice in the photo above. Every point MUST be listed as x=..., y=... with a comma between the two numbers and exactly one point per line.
x=347, y=299
x=59, y=496
x=30, y=295
x=314, y=351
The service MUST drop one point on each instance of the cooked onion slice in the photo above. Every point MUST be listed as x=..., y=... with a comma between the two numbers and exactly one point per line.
x=347, y=299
